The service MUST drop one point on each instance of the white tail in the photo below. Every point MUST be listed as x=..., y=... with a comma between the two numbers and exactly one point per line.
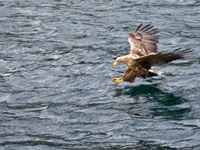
x=159, y=73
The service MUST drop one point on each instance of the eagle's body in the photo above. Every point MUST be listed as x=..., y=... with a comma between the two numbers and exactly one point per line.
x=143, y=54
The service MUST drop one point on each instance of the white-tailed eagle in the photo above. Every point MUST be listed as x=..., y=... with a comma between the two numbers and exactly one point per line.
x=143, y=54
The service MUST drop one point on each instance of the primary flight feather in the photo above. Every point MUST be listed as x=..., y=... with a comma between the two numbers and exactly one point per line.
x=143, y=54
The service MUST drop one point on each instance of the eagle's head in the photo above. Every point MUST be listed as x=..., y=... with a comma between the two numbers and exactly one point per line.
x=125, y=59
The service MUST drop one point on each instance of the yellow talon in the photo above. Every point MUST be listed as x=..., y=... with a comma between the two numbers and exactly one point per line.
x=117, y=80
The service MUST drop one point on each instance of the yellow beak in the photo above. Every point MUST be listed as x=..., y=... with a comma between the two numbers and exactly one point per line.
x=115, y=63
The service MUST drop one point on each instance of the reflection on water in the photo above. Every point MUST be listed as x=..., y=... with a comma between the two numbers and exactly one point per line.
x=154, y=94
x=167, y=105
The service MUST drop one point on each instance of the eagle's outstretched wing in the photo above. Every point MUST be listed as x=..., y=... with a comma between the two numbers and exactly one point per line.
x=161, y=58
x=143, y=40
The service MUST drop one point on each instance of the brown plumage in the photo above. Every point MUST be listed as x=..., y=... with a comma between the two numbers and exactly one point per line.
x=143, y=54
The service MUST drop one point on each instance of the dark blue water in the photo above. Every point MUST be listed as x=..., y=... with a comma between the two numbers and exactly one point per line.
x=56, y=90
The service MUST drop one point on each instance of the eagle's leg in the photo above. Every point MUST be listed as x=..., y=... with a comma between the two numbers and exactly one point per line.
x=117, y=80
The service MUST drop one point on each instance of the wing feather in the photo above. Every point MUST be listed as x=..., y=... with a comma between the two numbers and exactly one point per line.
x=147, y=27
x=144, y=40
x=138, y=28
x=161, y=58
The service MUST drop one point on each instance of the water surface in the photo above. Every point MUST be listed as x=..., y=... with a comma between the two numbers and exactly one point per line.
x=56, y=67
